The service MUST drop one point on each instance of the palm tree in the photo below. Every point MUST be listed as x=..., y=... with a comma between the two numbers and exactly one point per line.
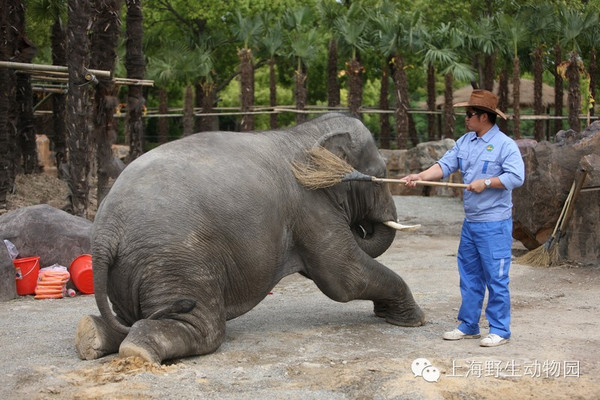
x=25, y=51
x=541, y=22
x=136, y=66
x=55, y=12
x=106, y=27
x=378, y=19
x=592, y=38
x=78, y=106
x=301, y=40
x=272, y=44
x=248, y=31
x=206, y=77
x=574, y=24
x=482, y=37
x=515, y=29
x=441, y=53
x=398, y=34
x=351, y=29
x=329, y=11
x=8, y=138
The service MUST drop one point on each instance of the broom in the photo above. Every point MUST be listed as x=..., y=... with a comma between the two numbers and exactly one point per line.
x=324, y=169
x=547, y=254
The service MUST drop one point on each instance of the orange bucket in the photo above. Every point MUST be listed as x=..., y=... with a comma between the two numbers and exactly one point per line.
x=81, y=273
x=26, y=270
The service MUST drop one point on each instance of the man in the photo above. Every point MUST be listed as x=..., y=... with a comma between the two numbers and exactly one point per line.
x=492, y=166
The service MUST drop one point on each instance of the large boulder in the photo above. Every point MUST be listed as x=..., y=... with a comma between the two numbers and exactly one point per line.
x=403, y=162
x=55, y=236
x=550, y=171
x=8, y=286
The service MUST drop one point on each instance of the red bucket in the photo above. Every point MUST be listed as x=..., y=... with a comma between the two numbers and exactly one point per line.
x=26, y=270
x=81, y=274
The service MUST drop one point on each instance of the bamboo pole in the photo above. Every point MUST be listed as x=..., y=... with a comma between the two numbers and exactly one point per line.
x=44, y=67
x=60, y=73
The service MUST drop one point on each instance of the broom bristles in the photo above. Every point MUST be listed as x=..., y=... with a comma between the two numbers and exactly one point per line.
x=541, y=256
x=322, y=169
x=538, y=257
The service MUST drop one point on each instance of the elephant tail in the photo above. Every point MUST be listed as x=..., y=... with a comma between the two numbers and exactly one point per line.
x=101, y=264
x=102, y=259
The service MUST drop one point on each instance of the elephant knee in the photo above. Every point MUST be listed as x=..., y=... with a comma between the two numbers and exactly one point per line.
x=343, y=292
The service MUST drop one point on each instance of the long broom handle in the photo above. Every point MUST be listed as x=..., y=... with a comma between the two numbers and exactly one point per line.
x=564, y=209
x=422, y=183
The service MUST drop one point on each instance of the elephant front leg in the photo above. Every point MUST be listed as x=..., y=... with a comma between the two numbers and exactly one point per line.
x=392, y=299
x=361, y=277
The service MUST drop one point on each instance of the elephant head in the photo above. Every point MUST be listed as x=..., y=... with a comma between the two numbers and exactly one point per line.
x=367, y=205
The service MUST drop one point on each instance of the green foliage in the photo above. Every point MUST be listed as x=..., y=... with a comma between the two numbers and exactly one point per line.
x=190, y=42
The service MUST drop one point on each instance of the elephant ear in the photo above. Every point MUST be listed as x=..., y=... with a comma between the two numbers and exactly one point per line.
x=339, y=143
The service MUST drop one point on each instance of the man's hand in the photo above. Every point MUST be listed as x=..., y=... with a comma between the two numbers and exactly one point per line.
x=410, y=179
x=477, y=186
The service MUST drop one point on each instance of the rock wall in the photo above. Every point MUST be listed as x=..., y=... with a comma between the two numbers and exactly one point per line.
x=403, y=162
x=550, y=170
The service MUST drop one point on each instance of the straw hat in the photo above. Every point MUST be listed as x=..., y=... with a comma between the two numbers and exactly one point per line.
x=484, y=100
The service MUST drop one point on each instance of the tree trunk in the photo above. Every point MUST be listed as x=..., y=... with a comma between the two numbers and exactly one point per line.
x=300, y=95
x=208, y=122
x=188, y=111
x=431, y=102
x=538, y=108
x=247, y=87
x=593, y=70
x=384, y=104
x=401, y=110
x=272, y=93
x=333, y=85
x=558, y=89
x=78, y=106
x=8, y=135
x=355, y=73
x=135, y=64
x=449, y=117
x=516, y=98
x=574, y=93
x=25, y=52
x=58, y=38
x=106, y=27
x=488, y=71
x=163, y=122
x=503, y=99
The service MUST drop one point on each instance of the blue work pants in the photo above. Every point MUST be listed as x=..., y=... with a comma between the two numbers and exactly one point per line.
x=484, y=257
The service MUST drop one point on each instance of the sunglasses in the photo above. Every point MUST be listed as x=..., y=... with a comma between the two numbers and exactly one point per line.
x=471, y=113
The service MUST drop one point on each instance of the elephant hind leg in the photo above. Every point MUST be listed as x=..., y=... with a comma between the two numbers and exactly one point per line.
x=95, y=339
x=165, y=339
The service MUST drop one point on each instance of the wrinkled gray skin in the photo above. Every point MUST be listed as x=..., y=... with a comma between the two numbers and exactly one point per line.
x=199, y=230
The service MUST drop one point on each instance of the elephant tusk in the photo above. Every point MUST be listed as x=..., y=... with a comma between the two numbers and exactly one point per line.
x=364, y=231
x=400, y=227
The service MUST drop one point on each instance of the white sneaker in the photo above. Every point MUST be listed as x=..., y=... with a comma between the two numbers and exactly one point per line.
x=457, y=334
x=492, y=340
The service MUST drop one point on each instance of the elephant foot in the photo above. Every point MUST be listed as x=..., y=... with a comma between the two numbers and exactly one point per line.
x=130, y=349
x=409, y=317
x=95, y=339
x=380, y=309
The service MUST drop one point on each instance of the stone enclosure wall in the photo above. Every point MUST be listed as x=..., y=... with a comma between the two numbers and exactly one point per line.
x=550, y=170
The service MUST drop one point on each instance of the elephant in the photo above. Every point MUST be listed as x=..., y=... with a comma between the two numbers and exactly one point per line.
x=199, y=230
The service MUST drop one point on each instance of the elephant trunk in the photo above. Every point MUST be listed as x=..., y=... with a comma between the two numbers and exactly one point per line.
x=373, y=238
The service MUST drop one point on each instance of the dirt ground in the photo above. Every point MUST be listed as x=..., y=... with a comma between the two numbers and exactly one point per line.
x=298, y=344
